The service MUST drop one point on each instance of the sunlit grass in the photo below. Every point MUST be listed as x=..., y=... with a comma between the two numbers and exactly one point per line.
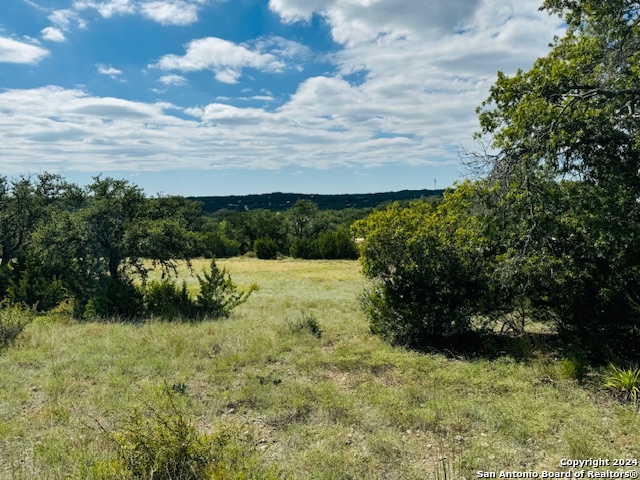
x=341, y=404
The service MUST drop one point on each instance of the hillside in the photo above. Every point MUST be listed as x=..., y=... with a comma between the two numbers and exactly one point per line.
x=281, y=201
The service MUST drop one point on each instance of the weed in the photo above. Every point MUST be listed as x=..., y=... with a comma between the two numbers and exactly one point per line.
x=626, y=381
x=306, y=323
x=163, y=444
x=449, y=462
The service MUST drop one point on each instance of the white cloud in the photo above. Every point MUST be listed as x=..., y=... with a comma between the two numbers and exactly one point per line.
x=64, y=19
x=13, y=51
x=53, y=34
x=176, y=80
x=104, y=70
x=107, y=9
x=167, y=12
x=224, y=58
x=403, y=88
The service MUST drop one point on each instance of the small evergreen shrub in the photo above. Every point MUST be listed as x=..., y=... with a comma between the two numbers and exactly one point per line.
x=35, y=284
x=266, y=248
x=218, y=294
x=116, y=297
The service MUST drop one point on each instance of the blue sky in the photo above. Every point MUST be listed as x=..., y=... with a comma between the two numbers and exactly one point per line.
x=218, y=97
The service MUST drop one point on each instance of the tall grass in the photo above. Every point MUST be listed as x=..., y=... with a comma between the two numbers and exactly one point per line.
x=339, y=403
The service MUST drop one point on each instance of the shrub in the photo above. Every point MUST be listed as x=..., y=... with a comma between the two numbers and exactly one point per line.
x=13, y=320
x=428, y=270
x=306, y=323
x=164, y=299
x=337, y=245
x=218, y=294
x=163, y=444
x=116, y=297
x=216, y=244
x=35, y=284
x=306, y=248
x=217, y=297
x=266, y=248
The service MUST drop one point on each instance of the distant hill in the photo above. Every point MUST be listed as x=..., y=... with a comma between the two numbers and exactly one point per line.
x=282, y=201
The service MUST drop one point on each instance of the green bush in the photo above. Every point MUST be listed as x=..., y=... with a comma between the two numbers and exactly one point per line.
x=337, y=245
x=265, y=248
x=164, y=299
x=116, y=297
x=625, y=381
x=217, y=297
x=428, y=270
x=216, y=244
x=13, y=320
x=306, y=248
x=34, y=283
x=163, y=444
x=307, y=323
x=218, y=294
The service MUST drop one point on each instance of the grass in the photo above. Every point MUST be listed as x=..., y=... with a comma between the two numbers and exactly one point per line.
x=299, y=405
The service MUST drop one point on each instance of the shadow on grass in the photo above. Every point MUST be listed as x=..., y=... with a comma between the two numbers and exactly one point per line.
x=527, y=346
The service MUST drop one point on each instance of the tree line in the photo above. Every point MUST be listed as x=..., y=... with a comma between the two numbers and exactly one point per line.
x=97, y=244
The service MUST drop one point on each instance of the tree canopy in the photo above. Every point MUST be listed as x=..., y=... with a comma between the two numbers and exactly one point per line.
x=553, y=231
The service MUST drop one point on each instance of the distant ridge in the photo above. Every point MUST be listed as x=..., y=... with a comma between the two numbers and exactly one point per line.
x=282, y=201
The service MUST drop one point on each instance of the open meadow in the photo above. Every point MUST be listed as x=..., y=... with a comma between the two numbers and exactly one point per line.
x=292, y=385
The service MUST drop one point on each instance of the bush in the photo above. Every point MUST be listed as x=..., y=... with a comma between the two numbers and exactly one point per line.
x=116, y=297
x=265, y=248
x=306, y=248
x=306, y=323
x=216, y=244
x=428, y=269
x=218, y=294
x=625, y=381
x=13, y=320
x=217, y=297
x=337, y=245
x=164, y=299
x=163, y=444
x=35, y=284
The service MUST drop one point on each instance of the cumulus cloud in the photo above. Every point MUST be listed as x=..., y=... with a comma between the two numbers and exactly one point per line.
x=107, y=9
x=168, y=12
x=224, y=58
x=165, y=12
x=14, y=51
x=403, y=87
x=53, y=34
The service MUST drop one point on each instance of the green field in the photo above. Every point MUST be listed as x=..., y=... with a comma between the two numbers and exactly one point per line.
x=297, y=403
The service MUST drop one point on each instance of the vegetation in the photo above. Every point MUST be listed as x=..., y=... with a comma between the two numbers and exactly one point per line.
x=13, y=321
x=529, y=280
x=552, y=233
x=97, y=245
x=274, y=400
